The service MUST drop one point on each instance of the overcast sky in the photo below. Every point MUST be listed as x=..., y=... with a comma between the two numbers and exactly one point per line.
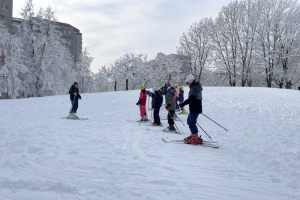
x=111, y=28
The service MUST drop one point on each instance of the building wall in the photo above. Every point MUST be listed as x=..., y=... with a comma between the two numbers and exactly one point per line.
x=6, y=11
x=72, y=39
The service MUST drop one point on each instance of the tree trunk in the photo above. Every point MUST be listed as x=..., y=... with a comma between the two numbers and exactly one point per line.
x=126, y=84
x=115, y=87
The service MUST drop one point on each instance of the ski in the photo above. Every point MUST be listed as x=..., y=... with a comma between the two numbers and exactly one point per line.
x=212, y=144
x=175, y=132
x=77, y=118
x=204, y=141
x=139, y=121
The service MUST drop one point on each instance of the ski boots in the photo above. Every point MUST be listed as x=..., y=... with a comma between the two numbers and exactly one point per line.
x=192, y=139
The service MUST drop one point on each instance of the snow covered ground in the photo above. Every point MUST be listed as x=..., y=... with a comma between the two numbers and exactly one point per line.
x=44, y=157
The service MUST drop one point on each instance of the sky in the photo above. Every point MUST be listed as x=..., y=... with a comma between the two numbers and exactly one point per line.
x=112, y=28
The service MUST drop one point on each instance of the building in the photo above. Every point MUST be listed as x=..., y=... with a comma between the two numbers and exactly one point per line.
x=71, y=36
x=73, y=39
x=6, y=11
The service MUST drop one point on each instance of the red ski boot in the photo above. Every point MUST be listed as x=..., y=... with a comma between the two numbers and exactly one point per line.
x=192, y=139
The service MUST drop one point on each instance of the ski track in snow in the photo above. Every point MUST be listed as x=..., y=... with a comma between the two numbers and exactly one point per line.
x=106, y=157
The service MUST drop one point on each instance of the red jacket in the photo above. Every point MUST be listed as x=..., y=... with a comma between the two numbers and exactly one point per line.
x=143, y=98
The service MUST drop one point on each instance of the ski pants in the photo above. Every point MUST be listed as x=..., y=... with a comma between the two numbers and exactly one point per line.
x=156, y=115
x=192, y=121
x=177, y=106
x=142, y=110
x=170, y=117
x=74, y=106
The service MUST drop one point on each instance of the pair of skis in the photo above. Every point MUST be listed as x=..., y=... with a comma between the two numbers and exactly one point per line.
x=212, y=144
x=77, y=118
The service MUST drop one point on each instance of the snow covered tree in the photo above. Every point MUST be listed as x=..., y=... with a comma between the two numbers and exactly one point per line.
x=10, y=67
x=48, y=60
x=84, y=75
x=196, y=45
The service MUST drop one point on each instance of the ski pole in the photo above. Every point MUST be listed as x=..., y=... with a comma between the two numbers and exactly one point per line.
x=214, y=122
x=179, y=119
x=151, y=118
x=204, y=130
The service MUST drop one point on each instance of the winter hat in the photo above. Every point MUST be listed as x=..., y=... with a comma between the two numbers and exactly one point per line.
x=175, y=85
x=189, y=79
x=142, y=87
x=75, y=83
x=181, y=88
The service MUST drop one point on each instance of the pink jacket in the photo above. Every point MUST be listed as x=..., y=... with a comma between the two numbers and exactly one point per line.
x=143, y=98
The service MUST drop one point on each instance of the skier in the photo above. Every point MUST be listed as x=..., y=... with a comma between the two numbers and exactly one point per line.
x=170, y=106
x=181, y=99
x=195, y=105
x=74, y=96
x=142, y=103
x=157, y=103
x=175, y=96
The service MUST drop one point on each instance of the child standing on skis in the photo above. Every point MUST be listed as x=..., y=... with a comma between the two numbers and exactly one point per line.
x=181, y=99
x=176, y=96
x=170, y=107
x=142, y=103
x=157, y=100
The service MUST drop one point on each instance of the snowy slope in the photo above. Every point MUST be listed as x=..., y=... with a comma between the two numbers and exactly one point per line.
x=44, y=157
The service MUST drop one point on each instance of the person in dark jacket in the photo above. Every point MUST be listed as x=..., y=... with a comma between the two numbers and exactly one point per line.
x=170, y=107
x=74, y=96
x=156, y=103
x=195, y=105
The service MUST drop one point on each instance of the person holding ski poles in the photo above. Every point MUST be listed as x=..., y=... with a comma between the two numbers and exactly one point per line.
x=170, y=107
x=142, y=103
x=157, y=103
x=74, y=96
x=195, y=105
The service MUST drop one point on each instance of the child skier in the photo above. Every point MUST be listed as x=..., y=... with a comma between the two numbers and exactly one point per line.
x=74, y=96
x=157, y=103
x=176, y=96
x=181, y=99
x=195, y=105
x=157, y=100
x=170, y=107
x=142, y=103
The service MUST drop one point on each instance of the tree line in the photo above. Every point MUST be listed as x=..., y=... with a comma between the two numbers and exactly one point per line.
x=250, y=43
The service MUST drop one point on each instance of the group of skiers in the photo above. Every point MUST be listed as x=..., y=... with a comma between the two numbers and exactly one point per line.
x=171, y=97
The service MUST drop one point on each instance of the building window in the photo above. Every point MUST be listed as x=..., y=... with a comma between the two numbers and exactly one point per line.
x=5, y=6
x=69, y=37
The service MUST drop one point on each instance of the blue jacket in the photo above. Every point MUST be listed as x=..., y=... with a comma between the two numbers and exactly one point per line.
x=181, y=96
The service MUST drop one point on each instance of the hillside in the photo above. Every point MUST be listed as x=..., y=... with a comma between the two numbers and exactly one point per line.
x=43, y=156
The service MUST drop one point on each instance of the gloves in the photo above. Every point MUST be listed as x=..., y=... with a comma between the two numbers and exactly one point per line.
x=137, y=103
x=168, y=106
x=181, y=105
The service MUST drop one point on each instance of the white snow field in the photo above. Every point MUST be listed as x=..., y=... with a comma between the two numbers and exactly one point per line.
x=45, y=157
